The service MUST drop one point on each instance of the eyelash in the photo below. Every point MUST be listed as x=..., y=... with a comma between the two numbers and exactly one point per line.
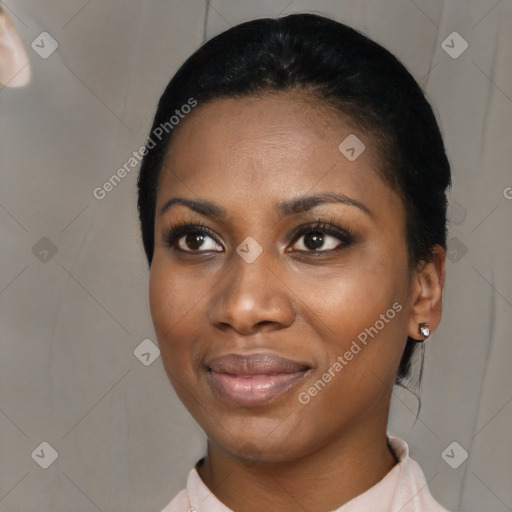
x=346, y=236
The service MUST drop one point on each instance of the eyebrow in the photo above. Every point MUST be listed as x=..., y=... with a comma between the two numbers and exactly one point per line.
x=293, y=206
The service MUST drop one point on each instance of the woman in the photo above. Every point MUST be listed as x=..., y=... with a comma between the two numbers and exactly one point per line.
x=293, y=212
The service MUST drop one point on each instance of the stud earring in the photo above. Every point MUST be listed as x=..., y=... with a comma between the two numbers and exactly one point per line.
x=424, y=330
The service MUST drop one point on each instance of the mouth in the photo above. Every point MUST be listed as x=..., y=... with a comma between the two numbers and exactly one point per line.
x=254, y=379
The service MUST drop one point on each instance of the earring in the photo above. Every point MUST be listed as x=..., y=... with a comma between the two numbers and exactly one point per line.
x=424, y=330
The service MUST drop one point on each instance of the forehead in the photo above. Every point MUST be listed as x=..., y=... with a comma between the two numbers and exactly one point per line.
x=267, y=148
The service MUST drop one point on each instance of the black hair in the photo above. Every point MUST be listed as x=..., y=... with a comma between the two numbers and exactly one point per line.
x=342, y=67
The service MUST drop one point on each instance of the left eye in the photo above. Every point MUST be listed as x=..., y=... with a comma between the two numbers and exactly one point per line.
x=315, y=239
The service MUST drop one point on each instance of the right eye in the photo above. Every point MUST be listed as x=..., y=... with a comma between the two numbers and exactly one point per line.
x=191, y=238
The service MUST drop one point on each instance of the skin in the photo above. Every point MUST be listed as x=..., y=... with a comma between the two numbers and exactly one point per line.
x=308, y=305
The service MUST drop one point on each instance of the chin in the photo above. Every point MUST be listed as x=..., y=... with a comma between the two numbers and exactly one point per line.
x=256, y=442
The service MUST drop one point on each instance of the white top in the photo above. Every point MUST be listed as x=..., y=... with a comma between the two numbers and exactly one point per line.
x=403, y=489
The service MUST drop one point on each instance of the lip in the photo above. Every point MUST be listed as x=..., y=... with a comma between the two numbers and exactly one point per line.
x=254, y=379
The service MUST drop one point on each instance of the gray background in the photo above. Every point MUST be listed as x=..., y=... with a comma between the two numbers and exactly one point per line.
x=70, y=321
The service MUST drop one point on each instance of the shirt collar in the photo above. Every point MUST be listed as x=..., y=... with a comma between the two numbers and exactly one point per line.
x=381, y=497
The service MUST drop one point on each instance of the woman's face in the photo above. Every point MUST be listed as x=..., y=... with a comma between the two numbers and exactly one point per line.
x=252, y=316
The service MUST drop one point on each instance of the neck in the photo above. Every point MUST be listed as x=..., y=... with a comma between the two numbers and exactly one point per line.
x=321, y=481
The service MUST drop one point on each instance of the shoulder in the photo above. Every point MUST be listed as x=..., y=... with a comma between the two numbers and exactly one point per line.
x=412, y=493
x=179, y=503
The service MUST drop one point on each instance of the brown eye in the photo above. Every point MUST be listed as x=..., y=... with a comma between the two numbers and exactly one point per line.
x=196, y=241
x=323, y=237
x=192, y=238
x=315, y=240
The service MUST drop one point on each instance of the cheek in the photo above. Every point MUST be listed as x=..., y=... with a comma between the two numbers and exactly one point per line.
x=360, y=319
x=168, y=306
x=161, y=298
x=350, y=298
x=172, y=297
x=177, y=305
x=359, y=312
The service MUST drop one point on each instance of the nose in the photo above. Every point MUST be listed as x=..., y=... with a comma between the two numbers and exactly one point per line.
x=252, y=298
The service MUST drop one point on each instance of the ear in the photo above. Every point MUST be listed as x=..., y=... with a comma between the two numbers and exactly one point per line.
x=427, y=292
